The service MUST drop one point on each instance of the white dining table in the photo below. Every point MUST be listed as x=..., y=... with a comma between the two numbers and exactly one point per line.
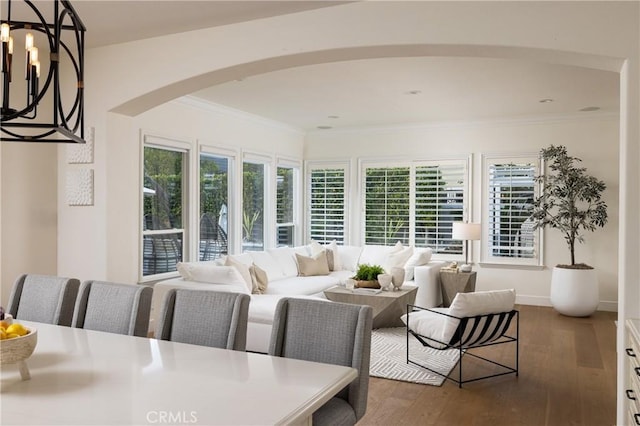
x=84, y=377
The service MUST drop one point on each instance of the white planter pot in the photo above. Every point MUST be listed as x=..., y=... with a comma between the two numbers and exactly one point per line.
x=574, y=292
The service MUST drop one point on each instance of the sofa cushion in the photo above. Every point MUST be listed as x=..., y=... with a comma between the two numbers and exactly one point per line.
x=337, y=262
x=207, y=272
x=269, y=263
x=297, y=286
x=421, y=256
x=397, y=258
x=347, y=257
x=313, y=265
x=284, y=256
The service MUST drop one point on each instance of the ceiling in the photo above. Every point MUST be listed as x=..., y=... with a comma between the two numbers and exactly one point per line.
x=362, y=93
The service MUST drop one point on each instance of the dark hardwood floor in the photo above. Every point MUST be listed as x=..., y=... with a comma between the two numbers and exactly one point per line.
x=567, y=377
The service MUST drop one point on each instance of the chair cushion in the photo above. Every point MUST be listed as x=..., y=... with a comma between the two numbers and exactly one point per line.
x=442, y=328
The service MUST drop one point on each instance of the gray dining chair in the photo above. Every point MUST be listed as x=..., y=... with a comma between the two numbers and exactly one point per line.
x=332, y=333
x=203, y=317
x=43, y=298
x=113, y=307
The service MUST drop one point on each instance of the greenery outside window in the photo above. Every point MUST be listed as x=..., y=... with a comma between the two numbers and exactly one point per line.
x=253, y=205
x=215, y=180
x=509, y=193
x=163, y=202
x=415, y=203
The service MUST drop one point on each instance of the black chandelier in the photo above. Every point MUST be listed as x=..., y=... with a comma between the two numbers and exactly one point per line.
x=42, y=116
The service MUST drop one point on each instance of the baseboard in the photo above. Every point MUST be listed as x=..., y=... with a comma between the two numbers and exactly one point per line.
x=604, y=305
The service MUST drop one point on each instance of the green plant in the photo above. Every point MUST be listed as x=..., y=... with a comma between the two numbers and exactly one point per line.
x=248, y=222
x=367, y=272
x=570, y=199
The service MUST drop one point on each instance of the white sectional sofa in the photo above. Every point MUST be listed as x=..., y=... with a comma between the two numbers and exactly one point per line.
x=283, y=276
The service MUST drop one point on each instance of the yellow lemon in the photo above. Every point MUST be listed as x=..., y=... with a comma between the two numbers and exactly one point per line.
x=11, y=335
x=4, y=324
x=16, y=328
x=3, y=334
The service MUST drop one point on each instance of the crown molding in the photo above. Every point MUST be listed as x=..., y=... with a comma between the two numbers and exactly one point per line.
x=519, y=121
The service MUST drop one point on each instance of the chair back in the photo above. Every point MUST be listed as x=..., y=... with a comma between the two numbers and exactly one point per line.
x=481, y=330
x=113, y=307
x=328, y=332
x=203, y=317
x=43, y=298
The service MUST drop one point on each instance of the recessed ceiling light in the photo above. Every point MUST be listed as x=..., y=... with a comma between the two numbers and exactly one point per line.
x=545, y=101
x=325, y=127
x=333, y=116
x=591, y=108
x=413, y=92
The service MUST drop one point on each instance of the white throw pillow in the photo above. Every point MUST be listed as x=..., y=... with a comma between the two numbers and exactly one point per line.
x=421, y=256
x=315, y=247
x=337, y=262
x=397, y=258
x=267, y=262
x=347, y=258
x=243, y=269
x=211, y=274
x=284, y=256
x=376, y=254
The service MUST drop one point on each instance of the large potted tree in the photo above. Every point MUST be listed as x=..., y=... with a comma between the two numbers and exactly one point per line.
x=570, y=201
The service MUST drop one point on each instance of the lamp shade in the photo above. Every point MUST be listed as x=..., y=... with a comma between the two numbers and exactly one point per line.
x=466, y=231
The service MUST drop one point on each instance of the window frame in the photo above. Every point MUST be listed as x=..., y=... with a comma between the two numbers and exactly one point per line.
x=232, y=158
x=296, y=167
x=268, y=208
x=464, y=162
x=486, y=257
x=184, y=147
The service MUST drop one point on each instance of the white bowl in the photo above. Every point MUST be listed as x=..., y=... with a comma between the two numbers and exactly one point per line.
x=19, y=348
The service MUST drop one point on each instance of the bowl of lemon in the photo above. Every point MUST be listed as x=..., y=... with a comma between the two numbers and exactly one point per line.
x=17, y=343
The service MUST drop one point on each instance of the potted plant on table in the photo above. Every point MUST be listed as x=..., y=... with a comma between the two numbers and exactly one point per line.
x=367, y=276
x=570, y=201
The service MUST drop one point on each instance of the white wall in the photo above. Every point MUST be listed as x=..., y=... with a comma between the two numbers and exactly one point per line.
x=28, y=211
x=595, y=140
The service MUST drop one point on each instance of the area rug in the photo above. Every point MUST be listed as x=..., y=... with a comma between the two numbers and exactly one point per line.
x=389, y=358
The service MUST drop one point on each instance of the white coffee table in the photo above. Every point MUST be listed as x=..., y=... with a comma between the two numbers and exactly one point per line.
x=388, y=306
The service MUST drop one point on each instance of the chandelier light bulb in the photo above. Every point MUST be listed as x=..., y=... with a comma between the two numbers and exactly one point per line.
x=36, y=64
x=10, y=45
x=4, y=33
x=34, y=55
x=28, y=41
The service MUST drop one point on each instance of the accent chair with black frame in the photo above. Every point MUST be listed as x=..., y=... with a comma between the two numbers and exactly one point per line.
x=332, y=333
x=473, y=320
x=44, y=298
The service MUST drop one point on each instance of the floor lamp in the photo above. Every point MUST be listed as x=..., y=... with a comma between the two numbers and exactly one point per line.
x=466, y=232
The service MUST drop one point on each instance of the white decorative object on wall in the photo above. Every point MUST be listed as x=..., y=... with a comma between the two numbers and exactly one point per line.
x=80, y=187
x=82, y=153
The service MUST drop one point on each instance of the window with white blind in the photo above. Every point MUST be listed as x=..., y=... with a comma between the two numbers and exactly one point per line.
x=415, y=203
x=327, y=203
x=510, y=189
